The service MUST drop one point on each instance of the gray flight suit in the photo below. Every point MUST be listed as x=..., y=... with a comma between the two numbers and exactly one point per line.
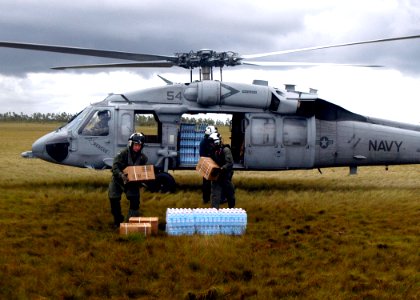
x=223, y=185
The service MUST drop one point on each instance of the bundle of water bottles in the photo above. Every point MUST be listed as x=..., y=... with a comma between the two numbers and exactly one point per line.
x=206, y=221
x=189, y=143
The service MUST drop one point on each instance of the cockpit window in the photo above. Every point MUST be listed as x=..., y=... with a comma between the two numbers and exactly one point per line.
x=75, y=120
x=98, y=124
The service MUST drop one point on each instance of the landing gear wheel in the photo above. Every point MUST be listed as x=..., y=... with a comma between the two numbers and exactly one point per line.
x=164, y=183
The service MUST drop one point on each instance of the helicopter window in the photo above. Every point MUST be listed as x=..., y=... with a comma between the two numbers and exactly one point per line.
x=263, y=131
x=149, y=125
x=98, y=124
x=125, y=128
x=295, y=132
x=75, y=120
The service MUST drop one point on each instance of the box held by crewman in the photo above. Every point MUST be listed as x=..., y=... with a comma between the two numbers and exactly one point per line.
x=140, y=173
x=207, y=168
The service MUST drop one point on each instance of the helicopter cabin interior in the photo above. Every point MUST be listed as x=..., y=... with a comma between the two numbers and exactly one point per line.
x=190, y=134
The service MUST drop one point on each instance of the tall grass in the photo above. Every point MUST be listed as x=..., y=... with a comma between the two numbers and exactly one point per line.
x=329, y=236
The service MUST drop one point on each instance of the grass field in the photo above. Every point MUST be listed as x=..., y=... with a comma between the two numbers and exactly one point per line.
x=309, y=236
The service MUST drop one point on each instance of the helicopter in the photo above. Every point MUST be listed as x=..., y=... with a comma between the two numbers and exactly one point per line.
x=271, y=128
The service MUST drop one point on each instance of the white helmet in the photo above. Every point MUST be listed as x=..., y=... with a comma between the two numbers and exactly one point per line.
x=215, y=138
x=136, y=138
x=210, y=129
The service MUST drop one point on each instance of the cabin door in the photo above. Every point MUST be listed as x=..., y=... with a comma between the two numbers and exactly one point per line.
x=298, y=141
x=262, y=147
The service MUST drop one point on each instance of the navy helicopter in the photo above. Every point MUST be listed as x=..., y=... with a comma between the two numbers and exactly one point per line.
x=271, y=128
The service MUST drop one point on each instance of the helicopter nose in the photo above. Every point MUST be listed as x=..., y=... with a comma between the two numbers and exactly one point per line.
x=38, y=148
x=52, y=147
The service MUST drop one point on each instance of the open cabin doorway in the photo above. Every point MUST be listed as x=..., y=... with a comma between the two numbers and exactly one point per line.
x=230, y=126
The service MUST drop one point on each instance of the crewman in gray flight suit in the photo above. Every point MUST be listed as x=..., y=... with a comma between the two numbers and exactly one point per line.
x=205, y=151
x=222, y=156
x=130, y=156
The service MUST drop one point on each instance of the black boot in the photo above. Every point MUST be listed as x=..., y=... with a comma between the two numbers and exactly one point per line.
x=118, y=220
x=116, y=211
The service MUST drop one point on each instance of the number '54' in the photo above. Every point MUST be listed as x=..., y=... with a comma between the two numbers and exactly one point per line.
x=170, y=95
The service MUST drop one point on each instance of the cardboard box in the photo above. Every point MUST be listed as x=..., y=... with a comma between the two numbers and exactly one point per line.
x=142, y=228
x=207, y=168
x=140, y=173
x=153, y=221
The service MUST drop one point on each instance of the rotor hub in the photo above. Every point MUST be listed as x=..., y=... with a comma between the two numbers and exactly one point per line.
x=207, y=58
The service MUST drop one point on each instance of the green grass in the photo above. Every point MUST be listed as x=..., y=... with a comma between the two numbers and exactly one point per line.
x=329, y=236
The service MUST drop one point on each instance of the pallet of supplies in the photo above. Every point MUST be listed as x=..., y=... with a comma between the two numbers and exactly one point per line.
x=140, y=173
x=207, y=168
x=142, y=228
x=153, y=221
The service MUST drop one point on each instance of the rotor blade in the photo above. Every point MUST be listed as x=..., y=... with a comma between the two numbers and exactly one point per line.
x=258, y=55
x=146, y=64
x=87, y=52
x=286, y=64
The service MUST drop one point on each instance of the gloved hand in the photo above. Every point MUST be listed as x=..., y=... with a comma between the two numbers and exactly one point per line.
x=124, y=178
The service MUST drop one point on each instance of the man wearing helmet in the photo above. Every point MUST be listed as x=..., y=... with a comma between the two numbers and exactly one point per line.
x=130, y=156
x=222, y=155
x=100, y=125
x=205, y=151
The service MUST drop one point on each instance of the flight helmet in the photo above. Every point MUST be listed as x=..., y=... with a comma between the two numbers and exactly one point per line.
x=210, y=129
x=136, y=138
x=215, y=138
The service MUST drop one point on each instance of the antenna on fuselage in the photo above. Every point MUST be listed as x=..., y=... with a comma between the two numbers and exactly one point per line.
x=167, y=81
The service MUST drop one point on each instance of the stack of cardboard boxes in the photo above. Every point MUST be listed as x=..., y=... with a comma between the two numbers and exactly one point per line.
x=143, y=225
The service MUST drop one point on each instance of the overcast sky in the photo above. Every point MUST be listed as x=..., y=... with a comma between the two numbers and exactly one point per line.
x=164, y=27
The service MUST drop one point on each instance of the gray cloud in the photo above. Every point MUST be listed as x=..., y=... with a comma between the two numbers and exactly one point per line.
x=166, y=27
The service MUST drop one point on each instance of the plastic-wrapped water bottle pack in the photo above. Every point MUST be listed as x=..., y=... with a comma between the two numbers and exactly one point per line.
x=206, y=221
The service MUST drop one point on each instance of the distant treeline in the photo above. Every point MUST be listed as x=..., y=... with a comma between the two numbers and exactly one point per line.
x=65, y=117
x=36, y=117
x=207, y=121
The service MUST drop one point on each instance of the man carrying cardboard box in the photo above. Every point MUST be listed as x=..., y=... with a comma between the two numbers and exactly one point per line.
x=130, y=156
x=205, y=151
x=222, y=156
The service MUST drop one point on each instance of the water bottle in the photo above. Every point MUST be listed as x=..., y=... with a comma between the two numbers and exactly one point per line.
x=197, y=220
x=191, y=227
x=174, y=227
x=205, y=223
x=189, y=222
x=244, y=221
x=210, y=222
x=224, y=221
x=169, y=221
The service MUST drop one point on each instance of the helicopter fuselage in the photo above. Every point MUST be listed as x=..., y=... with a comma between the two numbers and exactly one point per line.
x=271, y=129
